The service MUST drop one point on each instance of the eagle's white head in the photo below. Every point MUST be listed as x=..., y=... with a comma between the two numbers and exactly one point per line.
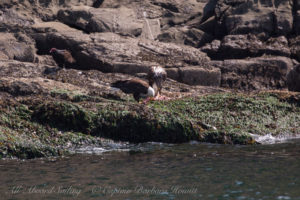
x=158, y=70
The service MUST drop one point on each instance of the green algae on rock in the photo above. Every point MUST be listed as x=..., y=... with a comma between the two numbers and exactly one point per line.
x=52, y=127
x=22, y=137
x=63, y=116
x=230, y=117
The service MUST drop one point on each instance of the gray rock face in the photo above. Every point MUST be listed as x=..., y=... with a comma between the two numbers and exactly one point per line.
x=110, y=52
x=18, y=69
x=16, y=46
x=242, y=36
x=254, y=73
x=197, y=38
x=192, y=37
x=173, y=73
x=180, y=23
x=173, y=35
x=118, y=20
x=10, y=16
x=200, y=76
x=243, y=46
x=178, y=12
x=19, y=88
x=45, y=10
x=242, y=17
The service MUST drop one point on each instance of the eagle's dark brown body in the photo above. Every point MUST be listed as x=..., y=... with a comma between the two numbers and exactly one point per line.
x=137, y=87
x=63, y=58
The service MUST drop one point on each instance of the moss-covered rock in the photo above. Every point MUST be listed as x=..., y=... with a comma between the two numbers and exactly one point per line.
x=146, y=126
x=64, y=115
x=22, y=137
x=220, y=118
x=51, y=128
x=239, y=114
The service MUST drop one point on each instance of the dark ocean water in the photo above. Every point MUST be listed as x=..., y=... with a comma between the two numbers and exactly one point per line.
x=160, y=171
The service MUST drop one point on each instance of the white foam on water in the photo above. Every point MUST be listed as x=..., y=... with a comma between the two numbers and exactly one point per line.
x=91, y=150
x=270, y=139
x=106, y=145
x=111, y=146
x=97, y=150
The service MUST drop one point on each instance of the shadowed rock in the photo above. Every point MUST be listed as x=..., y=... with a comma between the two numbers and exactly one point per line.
x=293, y=79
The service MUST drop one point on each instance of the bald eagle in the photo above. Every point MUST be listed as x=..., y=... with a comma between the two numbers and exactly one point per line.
x=156, y=77
x=63, y=57
x=137, y=87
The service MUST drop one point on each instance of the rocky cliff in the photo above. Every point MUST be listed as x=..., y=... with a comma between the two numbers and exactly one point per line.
x=206, y=46
x=238, y=44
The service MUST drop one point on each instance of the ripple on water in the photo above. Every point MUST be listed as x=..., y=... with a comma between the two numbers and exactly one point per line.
x=283, y=197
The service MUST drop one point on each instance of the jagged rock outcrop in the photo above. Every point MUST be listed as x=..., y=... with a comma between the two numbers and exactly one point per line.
x=110, y=52
x=129, y=36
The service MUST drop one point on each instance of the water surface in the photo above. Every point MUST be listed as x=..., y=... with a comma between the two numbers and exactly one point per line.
x=160, y=171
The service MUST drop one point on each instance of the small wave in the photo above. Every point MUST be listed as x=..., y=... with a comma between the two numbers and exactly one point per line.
x=104, y=146
x=109, y=146
x=270, y=139
x=91, y=150
x=97, y=150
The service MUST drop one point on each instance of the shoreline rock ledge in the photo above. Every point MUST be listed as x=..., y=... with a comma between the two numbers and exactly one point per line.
x=233, y=71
